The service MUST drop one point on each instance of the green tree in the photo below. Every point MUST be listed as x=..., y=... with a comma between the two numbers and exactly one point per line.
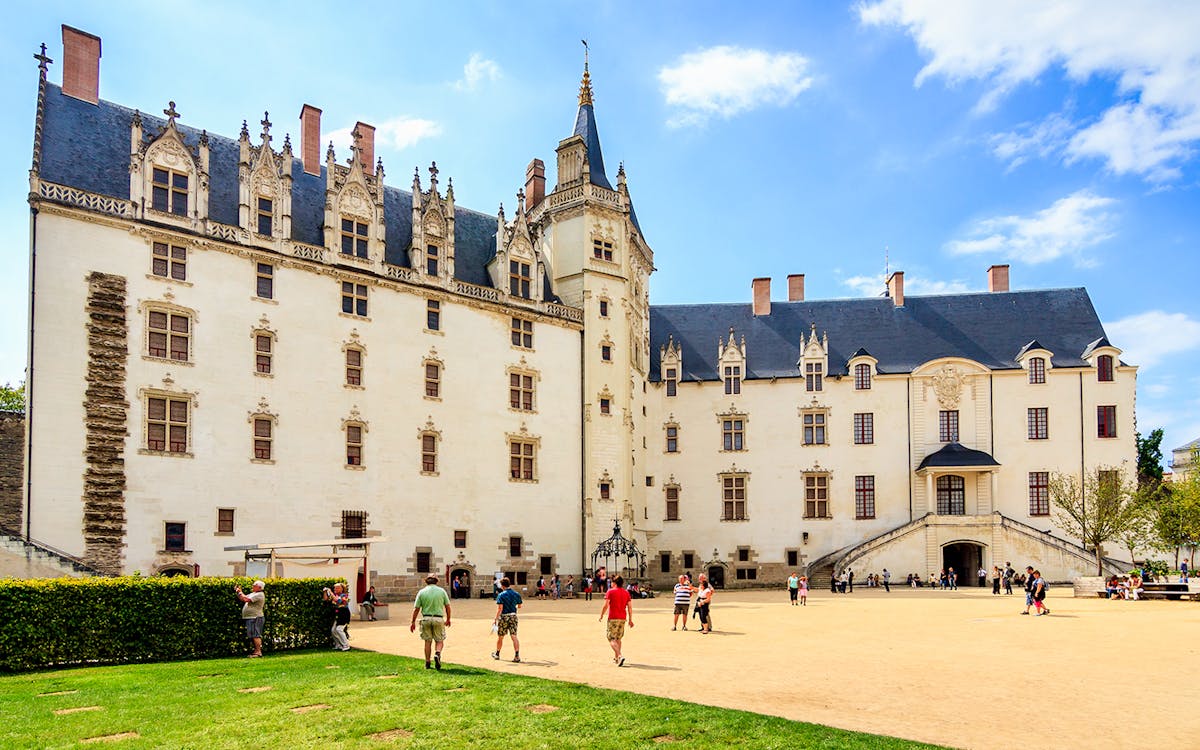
x=12, y=398
x=1176, y=520
x=1149, y=456
x=1138, y=532
x=1095, y=510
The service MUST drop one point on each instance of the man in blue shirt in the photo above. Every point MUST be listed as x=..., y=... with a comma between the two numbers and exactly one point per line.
x=508, y=601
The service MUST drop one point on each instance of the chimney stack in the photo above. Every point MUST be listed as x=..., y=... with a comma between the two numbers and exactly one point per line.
x=81, y=64
x=998, y=278
x=535, y=184
x=310, y=139
x=366, y=146
x=895, y=285
x=762, y=296
x=796, y=287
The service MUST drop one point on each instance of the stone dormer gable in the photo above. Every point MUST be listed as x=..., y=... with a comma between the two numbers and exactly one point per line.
x=670, y=358
x=432, y=250
x=814, y=349
x=1034, y=350
x=517, y=269
x=264, y=185
x=730, y=352
x=354, y=225
x=168, y=180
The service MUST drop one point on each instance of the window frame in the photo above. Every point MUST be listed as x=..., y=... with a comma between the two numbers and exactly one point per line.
x=1037, y=422
x=671, y=430
x=355, y=446
x=671, y=494
x=520, y=279
x=522, y=391
x=172, y=258
x=354, y=370
x=170, y=334
x=1037, y=370
x=521, y=332
x=952, y=497
x=814, y=377
x=266, y=214
x=816, y=495
x=864, y=497
x=522, y=459
x=732, y=377
x=1039, y=493
x=864, y=428
x=171, y=193
x=262, y=444
x=734, y=497
x=169, y=422
x=355, y=299
x=264, y=359
x=815, y=426
x=355, y=237
x=264, y=279
x=862, y=377
x=429, y=452
x=603, y=250
x=1106, y=421
x=1105, y=368
x=948, y=426
x=433, y=379
x=226, y=524
x=733, y=433
x=179, y=533
x=516, y=543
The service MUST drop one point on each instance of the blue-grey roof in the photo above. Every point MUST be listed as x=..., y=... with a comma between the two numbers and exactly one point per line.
x=989, y=328
x=585, y=127
x=86, y=146
x=955, y=455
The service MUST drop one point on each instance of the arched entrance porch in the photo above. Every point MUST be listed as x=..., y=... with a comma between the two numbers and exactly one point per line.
x=966, y=557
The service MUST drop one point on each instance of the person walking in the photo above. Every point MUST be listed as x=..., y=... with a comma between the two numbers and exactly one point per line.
x=340, y=600
x=850, y=579
x=793, y=586
x=1028, y=588
x=587, y=588
x=432, y=604
x=1183, y=571
x=1039, y=594
x=1009, y=573
x=996, y=580
x=508, y=601
x=887, y=581
x=683, y=598
x=982, y=576
x=703, y=602
x=952, y=577
x=618, y=605
x=252, y=615
x=803, y=591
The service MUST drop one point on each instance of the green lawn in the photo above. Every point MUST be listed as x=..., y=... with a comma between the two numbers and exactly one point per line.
x=198, y=705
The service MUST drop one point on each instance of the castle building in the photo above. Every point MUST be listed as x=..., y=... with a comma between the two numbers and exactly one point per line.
x=234, y=342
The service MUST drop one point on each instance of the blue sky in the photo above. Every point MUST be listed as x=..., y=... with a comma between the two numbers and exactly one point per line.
x=760, y=139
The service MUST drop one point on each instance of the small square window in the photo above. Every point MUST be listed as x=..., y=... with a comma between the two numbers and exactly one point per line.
x=354, y=299
x=460, y=540
x=743, y=554
x=649, y=481
x=546, y=565
x=225, y=520
x=605, y=491
x=433, y=315
x=514, y=546
x=793, y=558
x=689, y=560
x=605, y=406
x=265, y=281
x=606, y=352
x=604, y=308
x=424, y=562
x=169, y=261
x=522, y=333
x=176, y=537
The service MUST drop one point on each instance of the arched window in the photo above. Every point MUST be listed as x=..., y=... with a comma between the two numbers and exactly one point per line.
x=1104, y=368
x=1037, y=370
x=862, y=377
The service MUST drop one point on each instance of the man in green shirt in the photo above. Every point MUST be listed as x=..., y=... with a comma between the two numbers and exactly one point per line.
x=432, y=605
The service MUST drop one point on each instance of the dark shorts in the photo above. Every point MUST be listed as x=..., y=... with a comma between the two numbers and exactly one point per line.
x=681, y=609
x=254, y=627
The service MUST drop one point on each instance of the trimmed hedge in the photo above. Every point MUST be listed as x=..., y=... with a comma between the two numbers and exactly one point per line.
x=67, y=621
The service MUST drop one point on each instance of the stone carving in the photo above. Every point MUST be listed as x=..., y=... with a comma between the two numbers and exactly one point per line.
x=947, y=386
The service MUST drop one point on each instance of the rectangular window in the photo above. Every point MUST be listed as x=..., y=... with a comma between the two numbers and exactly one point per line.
x=862, y=377
x=1037, y=370
x=354, y=524
x=460, y=540
x=514, y=546
x=520, y=391
x=169, y=335
x=604, y=308
x=864, y=428
x=167, y=425
x=864, y=497
x=169, y=261
x=262, y=439
x=747, y=574
x=814, y=376
x=733, y=380
x=354, y=238
x=649, y=481
x=354, y=367
x=262, y=354
x=354, y=445
x=428, y=454
x=1104, y=368
x=424, y=562
x=602, y=250
x=1038, y=422
x=1106, y=421
x=793, y=558
x=664, y=562
x=522, y=333
x=354, y=299
x=431, y=260
x=169, y=191
x=814, y=428
x=176, y=537
x=265, y=214
x=606, y=352
x=816, y=496
x=265, y=281
x=733, y=498
x=672, y=503
x=948, y=426
x=433, y=380
x=672, y=438
x=951, y=496
x=433, y=315
x=522, y=459
x=545, y=565
x=1039, y=493
x=743, y=554
x=224, y=520
x=519, y=279
x=605, y=491
x=605, y=406
x=672, y=380
x=733, y=433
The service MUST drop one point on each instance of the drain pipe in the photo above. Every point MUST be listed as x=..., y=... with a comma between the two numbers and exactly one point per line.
x=582, y=461
x=33, y=214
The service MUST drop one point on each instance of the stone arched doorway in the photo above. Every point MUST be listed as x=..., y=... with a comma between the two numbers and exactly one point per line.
x=463, y=589
x=716, y=576
x=966, y=557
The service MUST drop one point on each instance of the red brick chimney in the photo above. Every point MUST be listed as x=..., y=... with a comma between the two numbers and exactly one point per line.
x=81, y=64
x=998, y=278
x=796, y=287
x=310, y=139
x=535, y=184
x=762, y=296
x=366, y=146
x=895, y=285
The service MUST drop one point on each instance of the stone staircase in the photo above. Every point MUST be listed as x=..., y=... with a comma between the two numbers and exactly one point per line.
x=22, y=558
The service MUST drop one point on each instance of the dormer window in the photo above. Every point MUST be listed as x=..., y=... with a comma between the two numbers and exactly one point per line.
x=519, y=279
x=266, y=214
x=354, y=238
x=862, y=377
x=1104, y=368
x=733, y=379
x=170, y=191
x=672, y=380
x=431, y=260
x=1037, y=370
x=813, y=376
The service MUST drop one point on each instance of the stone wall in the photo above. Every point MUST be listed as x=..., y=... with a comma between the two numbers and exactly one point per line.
x=12, y=462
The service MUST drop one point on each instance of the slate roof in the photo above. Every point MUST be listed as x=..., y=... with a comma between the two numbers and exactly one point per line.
x=989, y=328
x=585, y=127
x=956, y=455
x=86, y=146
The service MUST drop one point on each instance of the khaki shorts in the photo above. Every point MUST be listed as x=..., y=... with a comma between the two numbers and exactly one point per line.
x=507, y=625
x=615, y=630
x=432, y=628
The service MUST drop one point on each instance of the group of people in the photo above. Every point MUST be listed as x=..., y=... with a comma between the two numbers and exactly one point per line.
x=1004, y=577
x=555, y=588
x=1127, y=587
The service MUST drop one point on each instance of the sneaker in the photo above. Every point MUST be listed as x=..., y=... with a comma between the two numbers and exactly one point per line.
x=672, y=627
x=516, y=660
x=428, y=665
x=496, y=655
x=621, y=662
x=437, y=661
x=1024, y=613
x=684, y=627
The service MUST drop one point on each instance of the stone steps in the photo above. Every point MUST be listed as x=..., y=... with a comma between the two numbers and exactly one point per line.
x=22, y=559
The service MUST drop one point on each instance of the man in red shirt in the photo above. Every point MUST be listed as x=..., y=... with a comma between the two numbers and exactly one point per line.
x=618, y=606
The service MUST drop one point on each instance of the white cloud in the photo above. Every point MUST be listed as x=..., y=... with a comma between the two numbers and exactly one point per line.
x=1065, y=229
x=1151, y=51
x=477, y=69
x=1148, y=338
x=1041, y=139
x=397, y=133
x=873, y=286
x=724, y=81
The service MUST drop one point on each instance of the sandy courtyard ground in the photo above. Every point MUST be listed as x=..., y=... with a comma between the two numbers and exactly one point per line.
x=955, y=668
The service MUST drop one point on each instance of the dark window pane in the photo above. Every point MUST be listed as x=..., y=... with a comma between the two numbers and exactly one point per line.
x=158, y=200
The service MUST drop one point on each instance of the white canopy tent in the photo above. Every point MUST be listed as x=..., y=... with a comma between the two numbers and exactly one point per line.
x=322, y=558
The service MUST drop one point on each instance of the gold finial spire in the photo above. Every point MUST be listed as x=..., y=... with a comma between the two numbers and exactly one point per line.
x=585, y=86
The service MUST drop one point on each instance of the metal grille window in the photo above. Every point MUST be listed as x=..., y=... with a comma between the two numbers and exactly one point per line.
x=169, y=191
x=354, y=524
x=169, y=261
x=864, y=497
x=951, y=495
x=733, y=498
x=864, y=428
x=354, y=238
x=816, y=496
x=1037, y=370
x=862, y=377
x=1039, y=423
x=948, y=426
x=1039, y=493
x=167, y=425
